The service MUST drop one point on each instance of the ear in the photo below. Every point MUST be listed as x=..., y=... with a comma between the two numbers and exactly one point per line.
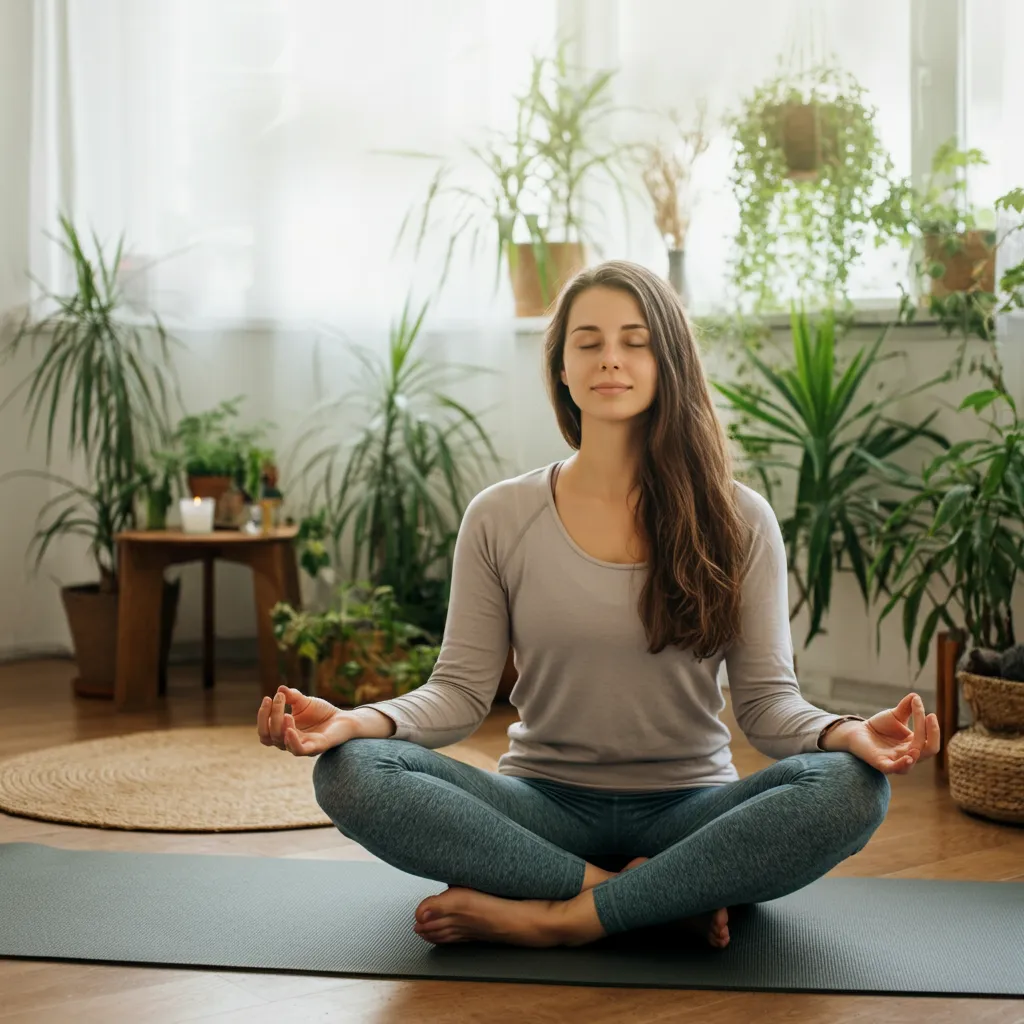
x=562, y=376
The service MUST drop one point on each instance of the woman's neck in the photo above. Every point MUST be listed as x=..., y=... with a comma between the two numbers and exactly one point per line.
x=608, y=462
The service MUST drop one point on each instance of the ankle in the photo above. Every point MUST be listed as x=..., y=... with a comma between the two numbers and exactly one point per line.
x=593, y=875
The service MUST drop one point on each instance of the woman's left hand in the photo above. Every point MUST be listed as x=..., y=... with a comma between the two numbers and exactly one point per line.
x=887, y=743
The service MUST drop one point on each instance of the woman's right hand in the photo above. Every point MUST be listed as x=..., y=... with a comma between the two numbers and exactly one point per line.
x=314, y=725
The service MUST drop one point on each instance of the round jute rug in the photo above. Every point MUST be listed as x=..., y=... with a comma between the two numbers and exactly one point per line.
x=208, y=779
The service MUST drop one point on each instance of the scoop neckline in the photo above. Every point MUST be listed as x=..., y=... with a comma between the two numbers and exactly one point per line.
x=549, y=478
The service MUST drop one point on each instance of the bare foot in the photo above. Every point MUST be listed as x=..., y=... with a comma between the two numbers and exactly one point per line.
x=464, y=915
x=713, y=926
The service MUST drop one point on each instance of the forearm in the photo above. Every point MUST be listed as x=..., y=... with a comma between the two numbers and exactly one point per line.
x=370, y=723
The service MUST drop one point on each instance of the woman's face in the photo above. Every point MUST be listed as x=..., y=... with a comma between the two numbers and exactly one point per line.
x=607, y=342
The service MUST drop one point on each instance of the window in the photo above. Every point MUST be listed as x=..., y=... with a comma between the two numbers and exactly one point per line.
x=672, y=53
x=241, y=142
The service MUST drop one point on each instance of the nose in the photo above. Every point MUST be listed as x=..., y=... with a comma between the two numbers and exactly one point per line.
x=614, y=361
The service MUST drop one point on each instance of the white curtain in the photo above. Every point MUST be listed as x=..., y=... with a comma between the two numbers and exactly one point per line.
x=240, y=144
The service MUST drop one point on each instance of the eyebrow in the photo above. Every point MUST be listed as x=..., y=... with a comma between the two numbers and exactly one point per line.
x=624, y=327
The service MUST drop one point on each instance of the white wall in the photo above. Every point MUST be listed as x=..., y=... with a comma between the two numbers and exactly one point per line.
x=285, y=373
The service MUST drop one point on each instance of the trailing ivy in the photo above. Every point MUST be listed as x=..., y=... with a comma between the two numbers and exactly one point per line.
x=800, y=233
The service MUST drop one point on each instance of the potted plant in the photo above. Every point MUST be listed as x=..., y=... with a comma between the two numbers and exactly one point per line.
x=112, y=378
x=815, y=426
x=357, y=648
x=808, y=167
x=222, y=458
x=954, y=246
x=158, y=477
x=524, y=189
x=402, y=484
x=957, y=544
x=403, y=481
x=666, y=167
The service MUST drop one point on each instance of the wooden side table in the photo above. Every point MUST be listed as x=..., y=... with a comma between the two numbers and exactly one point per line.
x=143, y=555
x=947, y=698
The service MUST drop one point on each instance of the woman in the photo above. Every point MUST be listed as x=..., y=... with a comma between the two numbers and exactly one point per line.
x=623, y=577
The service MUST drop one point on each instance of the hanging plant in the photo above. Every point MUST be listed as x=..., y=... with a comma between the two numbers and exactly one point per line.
x=809, y=167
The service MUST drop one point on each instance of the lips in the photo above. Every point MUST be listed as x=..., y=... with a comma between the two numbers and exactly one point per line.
x=611, y=387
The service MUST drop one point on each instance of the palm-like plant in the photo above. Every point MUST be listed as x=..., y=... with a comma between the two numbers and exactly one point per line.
x=959, y=543
x=527, y=186
x=98, y=513
x=403, y=483
x=839, y=450
x=115, y=378
x=115, y=375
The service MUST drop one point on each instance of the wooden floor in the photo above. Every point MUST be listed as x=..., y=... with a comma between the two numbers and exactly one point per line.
x=924, y=836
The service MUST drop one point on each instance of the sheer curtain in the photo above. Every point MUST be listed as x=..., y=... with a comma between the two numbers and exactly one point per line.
x=241, y=144
x=993, y=90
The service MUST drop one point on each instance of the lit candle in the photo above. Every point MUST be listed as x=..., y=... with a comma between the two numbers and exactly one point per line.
x=197, y=515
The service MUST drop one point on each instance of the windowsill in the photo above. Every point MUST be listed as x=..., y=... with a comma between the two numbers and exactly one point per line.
x=867, y=315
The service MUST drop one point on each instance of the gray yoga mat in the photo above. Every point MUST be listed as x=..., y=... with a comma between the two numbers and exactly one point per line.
x=856, y=935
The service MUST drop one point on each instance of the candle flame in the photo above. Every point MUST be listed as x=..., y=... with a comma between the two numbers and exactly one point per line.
x=197, y=501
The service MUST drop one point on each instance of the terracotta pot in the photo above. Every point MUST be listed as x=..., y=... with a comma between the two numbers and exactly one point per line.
x=208, y=486
x=973, y=266
x=805, y=136
x=566, y=259
x=92, y=619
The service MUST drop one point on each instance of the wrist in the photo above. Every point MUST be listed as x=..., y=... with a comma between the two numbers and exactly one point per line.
x=836, y=738
x=368, y=722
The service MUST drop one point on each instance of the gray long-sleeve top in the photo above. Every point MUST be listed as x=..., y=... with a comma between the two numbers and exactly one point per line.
x=596, y=708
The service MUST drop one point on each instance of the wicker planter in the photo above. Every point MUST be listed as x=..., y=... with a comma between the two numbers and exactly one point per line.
x=986, y=773
x=998, y=704
x=961, y=265
x=567, y=258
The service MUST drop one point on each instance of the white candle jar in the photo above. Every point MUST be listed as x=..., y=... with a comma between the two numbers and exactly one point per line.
x=197, y=515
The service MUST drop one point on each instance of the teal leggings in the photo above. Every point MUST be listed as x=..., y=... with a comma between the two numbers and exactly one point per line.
x=745, y=842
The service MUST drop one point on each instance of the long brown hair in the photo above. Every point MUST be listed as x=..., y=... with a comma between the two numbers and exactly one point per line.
x=697, y=540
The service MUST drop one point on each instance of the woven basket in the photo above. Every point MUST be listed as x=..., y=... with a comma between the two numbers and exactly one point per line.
x=998, y=704
x=986, y=773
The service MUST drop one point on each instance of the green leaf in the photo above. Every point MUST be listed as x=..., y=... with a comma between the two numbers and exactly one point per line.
x=951, y=505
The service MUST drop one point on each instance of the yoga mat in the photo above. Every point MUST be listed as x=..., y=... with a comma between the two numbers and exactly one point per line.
x=855, y=935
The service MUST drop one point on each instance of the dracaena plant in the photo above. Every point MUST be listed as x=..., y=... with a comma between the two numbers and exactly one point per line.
x=113, y=375
x=113, y=378
x=528, y=184
x=952, y=551
x=818, y=430
x=401, y=481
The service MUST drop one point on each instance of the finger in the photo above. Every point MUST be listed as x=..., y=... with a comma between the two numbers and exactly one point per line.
x=296, y=698
x=897, y=765
x=295, y=742
x=277, y=719
x=931, y=747
x=920, y=724
x=905, y=708
x=263, y=723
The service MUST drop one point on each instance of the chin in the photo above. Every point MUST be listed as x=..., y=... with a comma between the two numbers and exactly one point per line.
x=624, y=411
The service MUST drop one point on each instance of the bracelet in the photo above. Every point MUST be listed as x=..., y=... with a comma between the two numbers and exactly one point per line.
x=845, y=718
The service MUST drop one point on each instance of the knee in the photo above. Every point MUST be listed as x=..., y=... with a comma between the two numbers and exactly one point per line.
x=866, y=790
x=340, y=774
